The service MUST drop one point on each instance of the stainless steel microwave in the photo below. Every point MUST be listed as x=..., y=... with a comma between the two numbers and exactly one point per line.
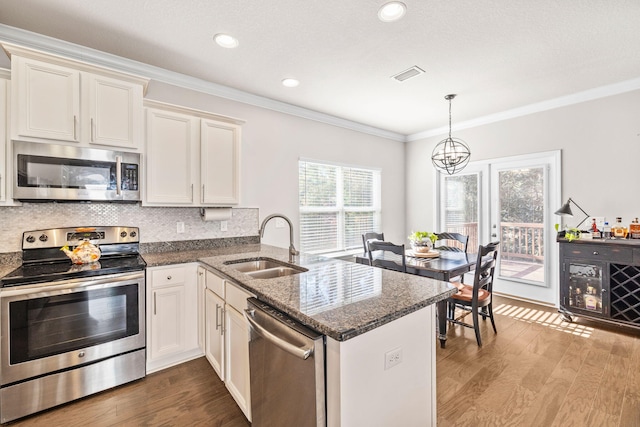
x=47, y=172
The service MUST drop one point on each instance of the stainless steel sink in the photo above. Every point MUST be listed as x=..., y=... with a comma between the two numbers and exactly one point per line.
x=264, y=268
x=253, y=265
x=274, y=272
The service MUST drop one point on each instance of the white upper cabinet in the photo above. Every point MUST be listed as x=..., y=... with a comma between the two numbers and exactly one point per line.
x=193, y=157
x=219, y=162
x=172, y=143
x=59, y=99
x=4, y=166
x=115, y=112
x=46, y=100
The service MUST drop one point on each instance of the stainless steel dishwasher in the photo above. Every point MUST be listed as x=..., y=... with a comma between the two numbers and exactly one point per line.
x=286, y=362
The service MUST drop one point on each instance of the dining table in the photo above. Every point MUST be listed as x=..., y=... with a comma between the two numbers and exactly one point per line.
x=443, y=265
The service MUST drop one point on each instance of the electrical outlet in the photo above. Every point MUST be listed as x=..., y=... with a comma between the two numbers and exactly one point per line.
x=392, y=358
x=223, y=225
x=180, y=227
x=280, y=223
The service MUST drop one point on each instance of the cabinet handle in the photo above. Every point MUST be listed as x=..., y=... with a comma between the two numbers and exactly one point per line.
x=75, y=127
x=596, y=253
x=217, y=319
x=192, y=192
x=92, y=131
x=169, y=277
x=154, y=303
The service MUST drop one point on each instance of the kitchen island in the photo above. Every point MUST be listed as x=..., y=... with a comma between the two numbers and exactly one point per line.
x=367, y=315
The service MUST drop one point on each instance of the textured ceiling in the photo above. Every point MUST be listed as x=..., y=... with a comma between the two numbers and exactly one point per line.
x=497, y=55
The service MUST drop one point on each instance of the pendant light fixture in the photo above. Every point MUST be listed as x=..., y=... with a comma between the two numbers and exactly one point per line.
x=451, y=155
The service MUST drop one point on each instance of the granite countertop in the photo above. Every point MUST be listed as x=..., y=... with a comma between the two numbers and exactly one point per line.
x=340, y=299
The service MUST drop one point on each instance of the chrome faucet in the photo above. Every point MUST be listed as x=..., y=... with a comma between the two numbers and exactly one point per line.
x=292, y=250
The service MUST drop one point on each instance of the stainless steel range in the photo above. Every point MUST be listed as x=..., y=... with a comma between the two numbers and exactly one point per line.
x=69, y=330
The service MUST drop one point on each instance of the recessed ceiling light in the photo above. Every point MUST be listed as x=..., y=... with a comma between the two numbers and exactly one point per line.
x=290, y=82
x=392, y=11
x=225, y=40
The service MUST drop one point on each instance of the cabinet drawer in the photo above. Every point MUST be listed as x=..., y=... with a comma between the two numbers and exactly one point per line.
x=215, y=283
x=236, y=297
x=167, y=276
x=613, y=254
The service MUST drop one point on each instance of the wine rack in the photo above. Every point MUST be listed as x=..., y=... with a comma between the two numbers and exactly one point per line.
x=624, y=283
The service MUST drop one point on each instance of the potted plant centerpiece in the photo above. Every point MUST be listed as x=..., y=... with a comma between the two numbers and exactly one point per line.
x=422, y=241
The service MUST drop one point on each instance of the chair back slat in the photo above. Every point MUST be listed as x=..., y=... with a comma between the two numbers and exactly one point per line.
x=367, y=237
x=387, y=255
x=485, y=267
x=442, y=244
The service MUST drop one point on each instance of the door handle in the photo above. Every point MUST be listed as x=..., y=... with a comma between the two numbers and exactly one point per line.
x=118, y=175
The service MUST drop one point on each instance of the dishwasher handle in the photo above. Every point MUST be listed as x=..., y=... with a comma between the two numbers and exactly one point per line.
x=300, y=352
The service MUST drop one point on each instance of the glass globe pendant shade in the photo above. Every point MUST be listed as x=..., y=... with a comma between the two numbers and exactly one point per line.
x=451, y=155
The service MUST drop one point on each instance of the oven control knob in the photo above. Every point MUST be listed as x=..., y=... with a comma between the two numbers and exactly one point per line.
x=133, y=234
x=81, y=354
x=30, y=238
x=123, y=234
x=44, y=238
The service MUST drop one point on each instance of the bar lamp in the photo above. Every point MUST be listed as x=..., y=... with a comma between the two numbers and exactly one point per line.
x=565, y=210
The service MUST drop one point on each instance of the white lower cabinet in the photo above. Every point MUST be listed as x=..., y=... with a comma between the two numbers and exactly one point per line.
x=227, y=337
x=214, y=332
x=172, y=316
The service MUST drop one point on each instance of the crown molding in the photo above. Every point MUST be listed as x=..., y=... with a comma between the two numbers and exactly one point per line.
x=81, y=53
x=95, y=57
x=563, y=101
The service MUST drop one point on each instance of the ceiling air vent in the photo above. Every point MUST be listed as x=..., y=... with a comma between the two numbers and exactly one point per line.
x=407, y=74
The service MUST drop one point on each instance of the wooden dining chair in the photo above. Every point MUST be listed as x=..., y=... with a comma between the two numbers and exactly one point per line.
x=476, y=299
x=387, y=255
x=460, y=242
x=452, y=242
x=366, y=237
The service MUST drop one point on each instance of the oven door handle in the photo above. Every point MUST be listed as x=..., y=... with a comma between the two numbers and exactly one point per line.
x=47, y=288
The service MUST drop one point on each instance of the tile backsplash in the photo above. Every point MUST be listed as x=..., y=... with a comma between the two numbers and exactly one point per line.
x=156, y=224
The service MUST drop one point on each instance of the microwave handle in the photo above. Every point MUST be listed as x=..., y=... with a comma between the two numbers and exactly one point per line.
x=119, y=175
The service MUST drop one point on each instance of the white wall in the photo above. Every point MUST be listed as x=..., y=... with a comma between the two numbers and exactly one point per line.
x=272, y=143
x=599, y=139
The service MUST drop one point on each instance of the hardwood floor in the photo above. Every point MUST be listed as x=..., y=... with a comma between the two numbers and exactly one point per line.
x=189, y=394
x=537, y=371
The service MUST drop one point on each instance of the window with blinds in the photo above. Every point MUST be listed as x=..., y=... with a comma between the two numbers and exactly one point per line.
x=338, y=204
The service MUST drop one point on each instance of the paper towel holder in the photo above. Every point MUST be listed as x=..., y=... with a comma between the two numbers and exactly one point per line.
x=215, y=214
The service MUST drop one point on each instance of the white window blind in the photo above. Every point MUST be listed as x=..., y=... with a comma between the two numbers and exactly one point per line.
x=337, y=205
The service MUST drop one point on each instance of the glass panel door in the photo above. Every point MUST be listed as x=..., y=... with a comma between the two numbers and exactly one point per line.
x=510, y=200
x=460, y=195
x=518, y=218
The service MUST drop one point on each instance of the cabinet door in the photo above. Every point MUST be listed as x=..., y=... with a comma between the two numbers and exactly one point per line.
x=584, y=287
x=172, y=315
x=214, y=332
x=3, y=138
x=220, y=160
x=171, y=141
x=167, y=322
x=114, y=115
x=237, y=359
x=47, y=100
x=202, y=287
